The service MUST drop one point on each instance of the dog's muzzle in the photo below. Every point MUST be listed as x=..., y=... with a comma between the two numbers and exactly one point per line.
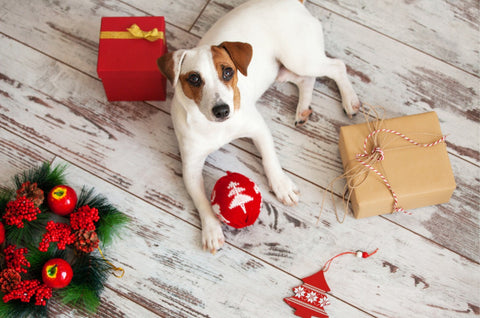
x=221, y=111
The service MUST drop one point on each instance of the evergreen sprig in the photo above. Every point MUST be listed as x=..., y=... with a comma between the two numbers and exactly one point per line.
x=90, y=273
x=18, y=309
x=44, y=176
x=111, y=220
x=30, y=233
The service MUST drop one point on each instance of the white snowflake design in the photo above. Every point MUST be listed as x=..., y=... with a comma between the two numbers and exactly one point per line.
x=312, y=297
x=299, y=292
x=322, y=302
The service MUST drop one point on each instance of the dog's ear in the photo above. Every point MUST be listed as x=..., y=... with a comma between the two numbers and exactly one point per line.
x=170, y=65
x=240, y=53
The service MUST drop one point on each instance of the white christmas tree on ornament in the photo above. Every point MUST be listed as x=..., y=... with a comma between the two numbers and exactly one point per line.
x=239, y=199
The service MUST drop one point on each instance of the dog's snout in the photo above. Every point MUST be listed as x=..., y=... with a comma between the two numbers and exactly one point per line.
x=221, y=111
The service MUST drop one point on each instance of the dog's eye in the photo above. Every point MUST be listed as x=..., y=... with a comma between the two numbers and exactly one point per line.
x=227, y=73
x=194, y=79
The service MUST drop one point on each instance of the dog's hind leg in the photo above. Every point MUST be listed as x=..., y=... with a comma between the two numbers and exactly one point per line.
x=305, y=91
x=336, y=70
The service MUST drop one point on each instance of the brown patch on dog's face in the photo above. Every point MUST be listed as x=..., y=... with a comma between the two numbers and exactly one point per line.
x=227, y=72
x=192, y=85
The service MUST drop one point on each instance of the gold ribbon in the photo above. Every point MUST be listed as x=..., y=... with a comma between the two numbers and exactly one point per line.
x=115, y=268
x=134, y=32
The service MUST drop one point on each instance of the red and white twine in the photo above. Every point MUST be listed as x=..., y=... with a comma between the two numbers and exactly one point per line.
x=377, y=154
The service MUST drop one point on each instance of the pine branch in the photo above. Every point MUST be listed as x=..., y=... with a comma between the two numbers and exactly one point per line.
x=111, y=220
x=31, y=232
x=44, y=176
x=89, y=275
x=18, y=309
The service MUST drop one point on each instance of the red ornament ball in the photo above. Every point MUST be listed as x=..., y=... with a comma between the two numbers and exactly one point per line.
x=236, y=200
x=62, y=200
x=57, y=273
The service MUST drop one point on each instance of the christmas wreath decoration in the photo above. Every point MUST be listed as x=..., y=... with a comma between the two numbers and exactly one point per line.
x=45, y=253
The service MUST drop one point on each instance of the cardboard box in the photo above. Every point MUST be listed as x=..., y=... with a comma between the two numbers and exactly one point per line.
x=127, y=62
x=418, y=175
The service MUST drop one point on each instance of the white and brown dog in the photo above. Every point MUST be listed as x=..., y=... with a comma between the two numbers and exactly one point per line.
x=218, y=83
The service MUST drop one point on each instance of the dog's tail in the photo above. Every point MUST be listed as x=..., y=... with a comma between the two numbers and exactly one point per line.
x=301, y=1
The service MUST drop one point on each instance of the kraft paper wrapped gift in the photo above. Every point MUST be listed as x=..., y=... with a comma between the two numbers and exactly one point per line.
x=127, y=58
x=391, y=164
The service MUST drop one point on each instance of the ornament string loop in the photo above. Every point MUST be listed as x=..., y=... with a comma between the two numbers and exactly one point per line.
x=115, y=268
x=326, y=267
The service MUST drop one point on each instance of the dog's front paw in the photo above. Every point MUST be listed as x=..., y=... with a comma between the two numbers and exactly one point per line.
x=285, y=190
x=352, y=106
x=212, y=235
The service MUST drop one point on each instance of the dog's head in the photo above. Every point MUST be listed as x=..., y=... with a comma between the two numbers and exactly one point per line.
x=207, y=76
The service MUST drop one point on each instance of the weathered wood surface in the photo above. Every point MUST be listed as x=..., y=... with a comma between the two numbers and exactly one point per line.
x=52, y=104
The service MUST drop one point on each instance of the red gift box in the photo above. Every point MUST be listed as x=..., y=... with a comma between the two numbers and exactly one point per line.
x=127, y=58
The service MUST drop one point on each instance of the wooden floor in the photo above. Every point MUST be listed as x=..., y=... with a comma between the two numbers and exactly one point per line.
x=408, y=56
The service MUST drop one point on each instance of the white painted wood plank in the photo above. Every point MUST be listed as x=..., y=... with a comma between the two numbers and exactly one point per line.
x=17, y=154
x=447, y=30
x=69, y=30
x=272, y=238
x=166, y=272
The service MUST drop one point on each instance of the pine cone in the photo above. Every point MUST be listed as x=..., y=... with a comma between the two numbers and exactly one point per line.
x=31, y=192
x=86, y=241
x=9, y=279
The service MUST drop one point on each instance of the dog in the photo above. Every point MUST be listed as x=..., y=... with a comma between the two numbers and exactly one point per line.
x=216, y=86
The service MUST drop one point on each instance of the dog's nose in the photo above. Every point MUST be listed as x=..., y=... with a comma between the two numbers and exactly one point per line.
x=221, y=111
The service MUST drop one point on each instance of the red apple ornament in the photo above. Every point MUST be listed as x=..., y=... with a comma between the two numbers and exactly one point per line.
x=62, y=200
x=57, y=273
x=2, y=233
x=236, y=200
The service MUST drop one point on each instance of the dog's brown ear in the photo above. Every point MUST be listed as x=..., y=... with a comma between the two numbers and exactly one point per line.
x=170, y=65
x=240, y=53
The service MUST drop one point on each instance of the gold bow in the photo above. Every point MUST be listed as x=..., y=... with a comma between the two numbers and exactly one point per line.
x=134, y=32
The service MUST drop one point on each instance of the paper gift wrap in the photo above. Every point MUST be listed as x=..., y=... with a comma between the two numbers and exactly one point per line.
x=127, y=58
x=396, y=164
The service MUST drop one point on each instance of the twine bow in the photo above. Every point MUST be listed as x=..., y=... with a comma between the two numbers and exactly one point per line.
x=133, y=32
x=368, y=161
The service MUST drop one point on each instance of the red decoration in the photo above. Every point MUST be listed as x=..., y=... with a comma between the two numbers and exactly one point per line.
x=15, y=258
x=2, y=233
x=19, y=210
x=128, y=65
x=311, y=297
x=84, y=218
x=62, y=200
x=57, y=273
x=56, y=232
x=236, y=200
x=28, y=288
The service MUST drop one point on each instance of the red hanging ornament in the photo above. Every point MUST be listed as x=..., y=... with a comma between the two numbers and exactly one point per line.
x=311, y=297
x=236, y=200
